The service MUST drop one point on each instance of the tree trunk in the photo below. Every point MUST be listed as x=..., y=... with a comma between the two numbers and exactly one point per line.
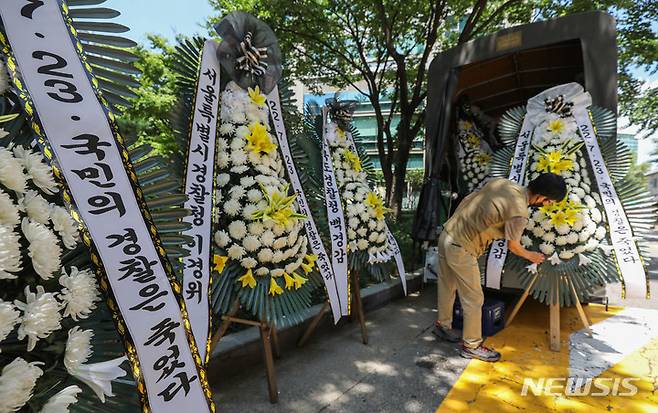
x=400, y=161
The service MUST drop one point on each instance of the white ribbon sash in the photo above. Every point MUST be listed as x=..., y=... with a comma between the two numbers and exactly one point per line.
x=626, y=252
x=83, y=141
x=335, y=217
x=199, y=189
x=393, y=247
x=498, y=251
x=336, y=295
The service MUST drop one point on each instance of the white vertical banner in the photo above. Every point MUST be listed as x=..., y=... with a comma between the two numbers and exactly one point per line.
x=627, y=255
x=336, y=295
x=199, y=178
x=109, y=202
x=393, y=247
x=335, y=217
x=498, y=251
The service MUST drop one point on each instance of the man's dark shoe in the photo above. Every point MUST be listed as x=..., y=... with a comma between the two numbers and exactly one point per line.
x=450, y=335
x=481, y=353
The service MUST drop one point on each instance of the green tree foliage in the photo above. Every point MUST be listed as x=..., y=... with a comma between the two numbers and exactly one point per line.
x=148, y=118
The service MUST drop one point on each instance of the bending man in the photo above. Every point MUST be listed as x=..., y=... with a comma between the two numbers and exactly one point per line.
x=498, y=211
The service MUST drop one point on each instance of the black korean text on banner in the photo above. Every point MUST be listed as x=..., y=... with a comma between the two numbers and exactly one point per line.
x=335, y=217
x=627, y=255
x=199, y=189
x=498, y=251
x=393, y=247
x=57, y=89
x=336, y=296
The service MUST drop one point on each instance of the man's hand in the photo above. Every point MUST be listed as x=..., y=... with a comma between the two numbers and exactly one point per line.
x=535, y=257
x=517, y=249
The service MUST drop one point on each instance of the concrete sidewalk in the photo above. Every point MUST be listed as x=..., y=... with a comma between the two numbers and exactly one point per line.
x=403, y=368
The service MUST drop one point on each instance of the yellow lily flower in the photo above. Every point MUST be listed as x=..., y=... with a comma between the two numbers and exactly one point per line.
x=483, y=158
x=472, y=140
x=353, y=160
x=279, y=207
x=467, y=124
x=274, y=288
x=311, y=258
x=377, y=204
x=258, y=139
x=299, y=280
x=248, y=279
x=340, y=132
x=307, y=268
x=556, y=126
x=290, y=282
x=554, y=162
x=219, y=262
x=558, y=218
x=256, y=97
x=562, y=166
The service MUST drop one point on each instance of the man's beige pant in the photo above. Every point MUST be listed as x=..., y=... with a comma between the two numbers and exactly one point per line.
x=459, y=272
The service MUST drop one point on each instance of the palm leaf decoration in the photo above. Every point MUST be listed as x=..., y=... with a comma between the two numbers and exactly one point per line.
x=638, y=204
x=106, y=50
x=282, y=309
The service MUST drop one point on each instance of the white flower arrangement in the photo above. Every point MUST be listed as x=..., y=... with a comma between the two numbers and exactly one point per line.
x=260, y=226
x=41, y=315
x=573, y=226
x=474, y=155
x=364, y=208
x=79, y=293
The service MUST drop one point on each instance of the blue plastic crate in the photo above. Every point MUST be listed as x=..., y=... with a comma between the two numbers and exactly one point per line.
x=493, y=316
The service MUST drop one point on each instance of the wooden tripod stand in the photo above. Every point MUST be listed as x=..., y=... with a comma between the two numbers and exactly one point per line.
x=554, y=323
x=269, y=339
x=357, y=308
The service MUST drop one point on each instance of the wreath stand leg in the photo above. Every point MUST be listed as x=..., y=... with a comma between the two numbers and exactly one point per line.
x=554, y=311
x=269, y=339
x=357, y=309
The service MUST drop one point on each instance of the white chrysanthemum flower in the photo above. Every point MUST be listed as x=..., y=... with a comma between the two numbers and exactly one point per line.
x=239, y=169
x=549, y=237
x=236, y=251
x=247, y=181
x=372, y=224
x=37, y=170
x=278, y=229
x=362, y=231
x=37, y=208
x=236, y=192
x=262, y=271
x=373, y=237
x=222, y=179
x=561, y=240
x=592, y=244
x=292, y=267
x=362, y=244
x=538, y=232
x=17, y=384
x=232, y=207
x=277, y=257
x=12, y=175
x=292, y=237
x=578, y=225
x=600, y=233
x=248, y=211
x=254, y=195
x=9, y=317
x=226, y=129
x=79, y=294
x=222, y=239
x=65, y=226
x=565, y=255
x=241, y=133
x=10, y=253
x=546, y=225
x=251, y=243
x=596, y=215
x=248, y=262
x=267, y=238
x=40, y=316
x=353, y=223
x=526, y=241
x=380, y=225
x=563, y=229
x=239, y=157
x=265, y=255
x=222, y=160
x=589, y=201
x=572, y=238
x=280, y=243
x=256, y=228
x=546, y=249
x=97, y=376
x=60, y=402
x=351, y=234
x=237, y=229
x=8, y=210
x=382, y=237
x=44, y=248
